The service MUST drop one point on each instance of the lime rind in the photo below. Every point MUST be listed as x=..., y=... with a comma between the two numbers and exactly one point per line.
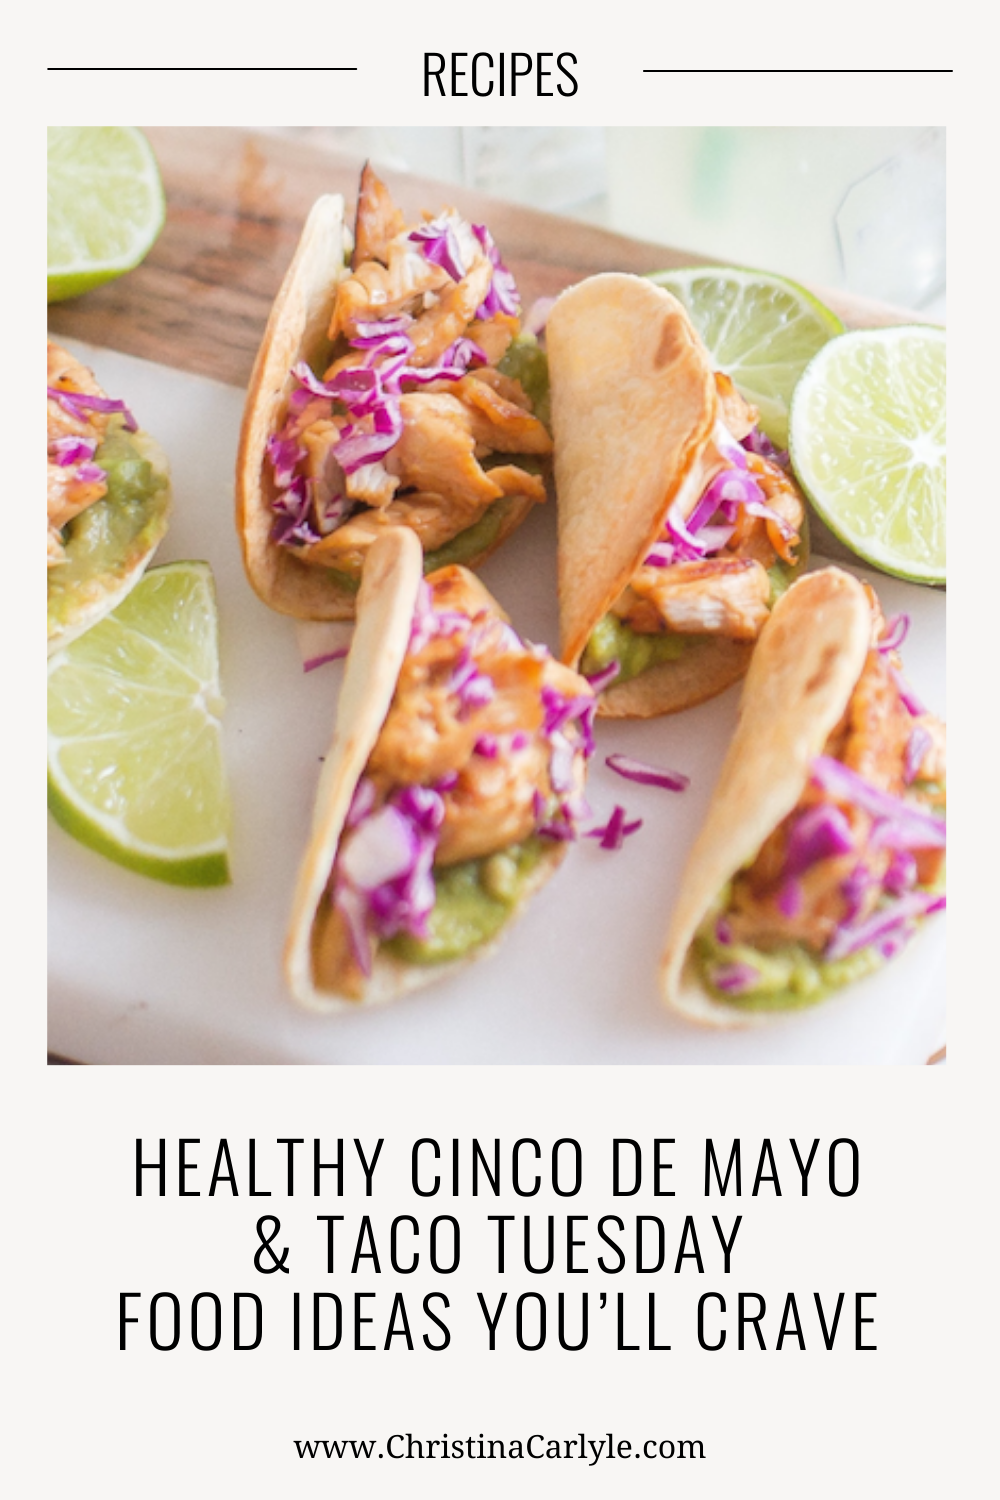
x=868, y=445
x=210, y=868
x=106, y=205
x=760, y=329
x=136, y=770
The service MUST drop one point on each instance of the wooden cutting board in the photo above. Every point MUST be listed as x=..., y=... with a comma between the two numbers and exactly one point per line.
x=236, y=203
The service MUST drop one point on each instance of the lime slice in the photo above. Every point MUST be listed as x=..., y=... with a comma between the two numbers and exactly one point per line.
x=868, y=446
x=135, y=748
x=106, y=205
x=761, y=330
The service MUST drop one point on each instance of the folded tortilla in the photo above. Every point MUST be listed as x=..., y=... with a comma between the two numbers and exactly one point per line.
x=386, y=602
x=296, y=330
x=634, y=407
x=804, y=670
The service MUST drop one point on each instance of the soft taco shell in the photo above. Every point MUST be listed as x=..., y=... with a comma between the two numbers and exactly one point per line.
x=98, y=594
x=392, y=574
x=296, y=330
x=634, y=404
x=633, y=408
x=805, y=666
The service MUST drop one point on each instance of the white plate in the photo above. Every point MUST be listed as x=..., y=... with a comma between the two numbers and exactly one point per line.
x=145, y=973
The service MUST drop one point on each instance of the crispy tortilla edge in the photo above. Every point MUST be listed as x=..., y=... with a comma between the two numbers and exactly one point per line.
x=386, y=600
x=703, y=672
x=295, y=330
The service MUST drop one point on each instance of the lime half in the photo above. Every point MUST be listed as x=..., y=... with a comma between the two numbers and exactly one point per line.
x=135, y=747
x=868, y=446
x=106, y=205
x=760, y=329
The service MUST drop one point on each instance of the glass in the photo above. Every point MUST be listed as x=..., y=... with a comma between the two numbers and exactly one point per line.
x=858, y=208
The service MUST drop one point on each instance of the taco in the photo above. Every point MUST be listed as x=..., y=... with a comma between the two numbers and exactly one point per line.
x=824, y=846
x=450, y=794
x=108, y=496
x=679, y=523
x=393, y=388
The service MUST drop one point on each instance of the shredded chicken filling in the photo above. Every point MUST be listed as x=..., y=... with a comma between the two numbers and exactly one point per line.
x=440, y=473
x=471, y=720
x=874, y=738
x=727, y=590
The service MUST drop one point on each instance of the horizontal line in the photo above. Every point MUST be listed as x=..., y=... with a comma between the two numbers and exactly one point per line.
x=203, y=70
x=798, y=70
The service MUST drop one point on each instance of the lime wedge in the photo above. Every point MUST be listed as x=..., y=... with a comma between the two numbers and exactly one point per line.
x=135, y=748
x=761, y=330
x=106, y=205
x=868, y=446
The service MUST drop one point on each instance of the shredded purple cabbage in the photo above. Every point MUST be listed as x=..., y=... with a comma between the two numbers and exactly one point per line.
x=79, y=404
x=917, y=746
x=898, y=824
x=383, y=883
x=72, y=450
x=91, y=473
x=605, y=677
x=790, y=898
x=383, y=879
x=439, y=243
x=823, y=831
x=897, y=628
x=759, y=443
x=537, y=317
x=908, y=697
x=370, y=394
x=734, y=979
x=899, y=827
x=560, y=711
x=700, y=535
x=293, y=510
x=615, y=831
x=896, y=920
x=819, y=832
x=321, y=661
x=473, y=688
x=502, y=296
x=647, y=775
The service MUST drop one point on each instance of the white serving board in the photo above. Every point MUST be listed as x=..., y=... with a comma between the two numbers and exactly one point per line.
x=142, y=972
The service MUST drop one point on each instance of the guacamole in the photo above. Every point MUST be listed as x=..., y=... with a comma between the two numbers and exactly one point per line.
x=110, y=540
x=782, y=576
x=468, y=543
x=613, y=640
x=526, y=361
x=474, y=899
x=791, y=977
